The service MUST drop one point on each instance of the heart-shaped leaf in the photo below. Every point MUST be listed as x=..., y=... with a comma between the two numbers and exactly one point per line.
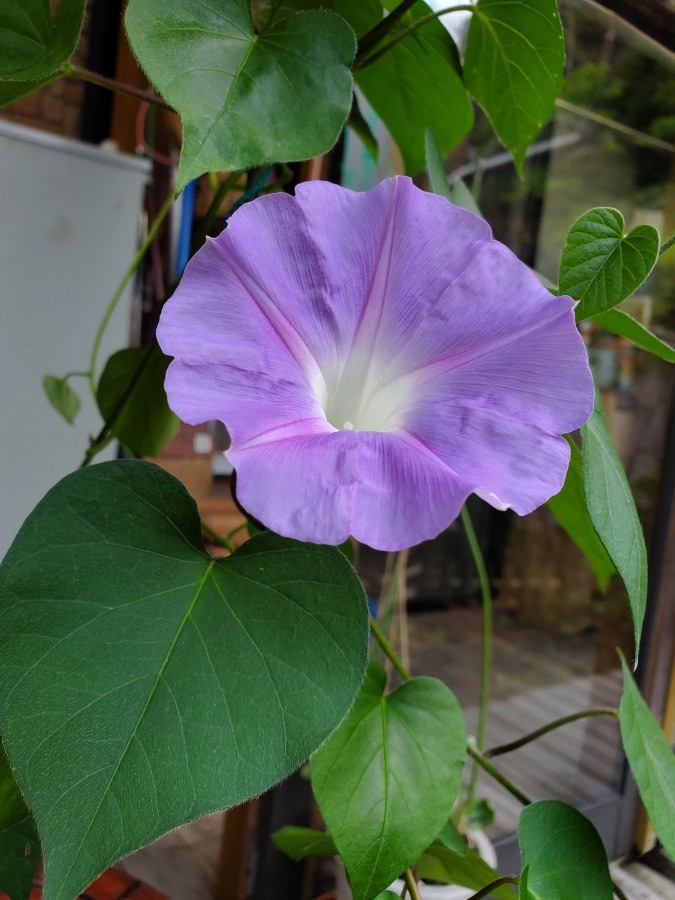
x=62, y=397
x=563, y=854
x=651, y=760
x=33, y=43
x=161, y=684
x=416, y=85
x=600, y=266
x=131, y=397
x=570, y=510
x=245, y=98
x=612, y=510
x=619, y=322
x=513, y=66
x=387, y=778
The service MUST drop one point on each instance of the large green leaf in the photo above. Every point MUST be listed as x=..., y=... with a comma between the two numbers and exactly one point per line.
x=570, y=510
x=162, y=684
x=651, y=760
x=33, y=44
x=513, y=66
x=600, y=266
x=418, y=85
x=131, y=396
x=19, y=858
x=619, y=322
x=387, y=778
x=245, y=98
x=612, y=510
x=439, y=863
x=563, y=854
x=299, y=843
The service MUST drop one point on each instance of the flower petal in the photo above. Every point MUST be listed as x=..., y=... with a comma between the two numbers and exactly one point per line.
x=382, y=489
x=506, y=462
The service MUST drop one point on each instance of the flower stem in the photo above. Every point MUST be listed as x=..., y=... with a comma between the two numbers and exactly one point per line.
x=388, y=650
x=126, y=278
x=551, y=726
x=498, y=882
x=497, y=775
x=366, y=59
x=223, y=189
x=113, y=85
x=486, y=653
x=411, y=884
x=618, y=891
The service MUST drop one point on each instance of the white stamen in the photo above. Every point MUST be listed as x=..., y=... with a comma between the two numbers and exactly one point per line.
x=348, y=426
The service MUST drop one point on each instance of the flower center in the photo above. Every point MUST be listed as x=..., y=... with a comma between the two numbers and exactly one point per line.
x=365, y=396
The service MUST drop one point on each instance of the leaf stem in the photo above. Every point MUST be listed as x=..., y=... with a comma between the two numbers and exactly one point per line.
x=221, y=540
x=126, y=278
x=486, y=651
x=498, y=882
x=388, y=650
x=231, y=534
x=411, y=884
x=666, y=245
x=497, y=775
x=365, y=59
x=113, y=85
x=551, y=726
x=382, y=29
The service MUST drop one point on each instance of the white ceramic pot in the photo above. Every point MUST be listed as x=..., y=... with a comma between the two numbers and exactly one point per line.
x=486, y=851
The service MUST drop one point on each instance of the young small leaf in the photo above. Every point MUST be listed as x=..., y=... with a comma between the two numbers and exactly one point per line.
x=600, y=266
x=619, y=322
x=438, y=863
x=299, y=843
x=131, y=396
x=612, y=510
x=513, y=66
x=570, y=510
x=214, y=73
x=162, y=684
x=651, y=760
x=563, y=854
x=387, y=778
x=62, y=397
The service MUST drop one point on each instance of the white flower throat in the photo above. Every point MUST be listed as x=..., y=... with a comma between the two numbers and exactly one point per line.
x=365, y=395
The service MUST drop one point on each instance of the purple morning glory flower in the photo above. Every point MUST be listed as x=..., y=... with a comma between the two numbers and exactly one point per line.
x=376, y=358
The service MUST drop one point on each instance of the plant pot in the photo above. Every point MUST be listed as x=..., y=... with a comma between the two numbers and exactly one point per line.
x=483, y=845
